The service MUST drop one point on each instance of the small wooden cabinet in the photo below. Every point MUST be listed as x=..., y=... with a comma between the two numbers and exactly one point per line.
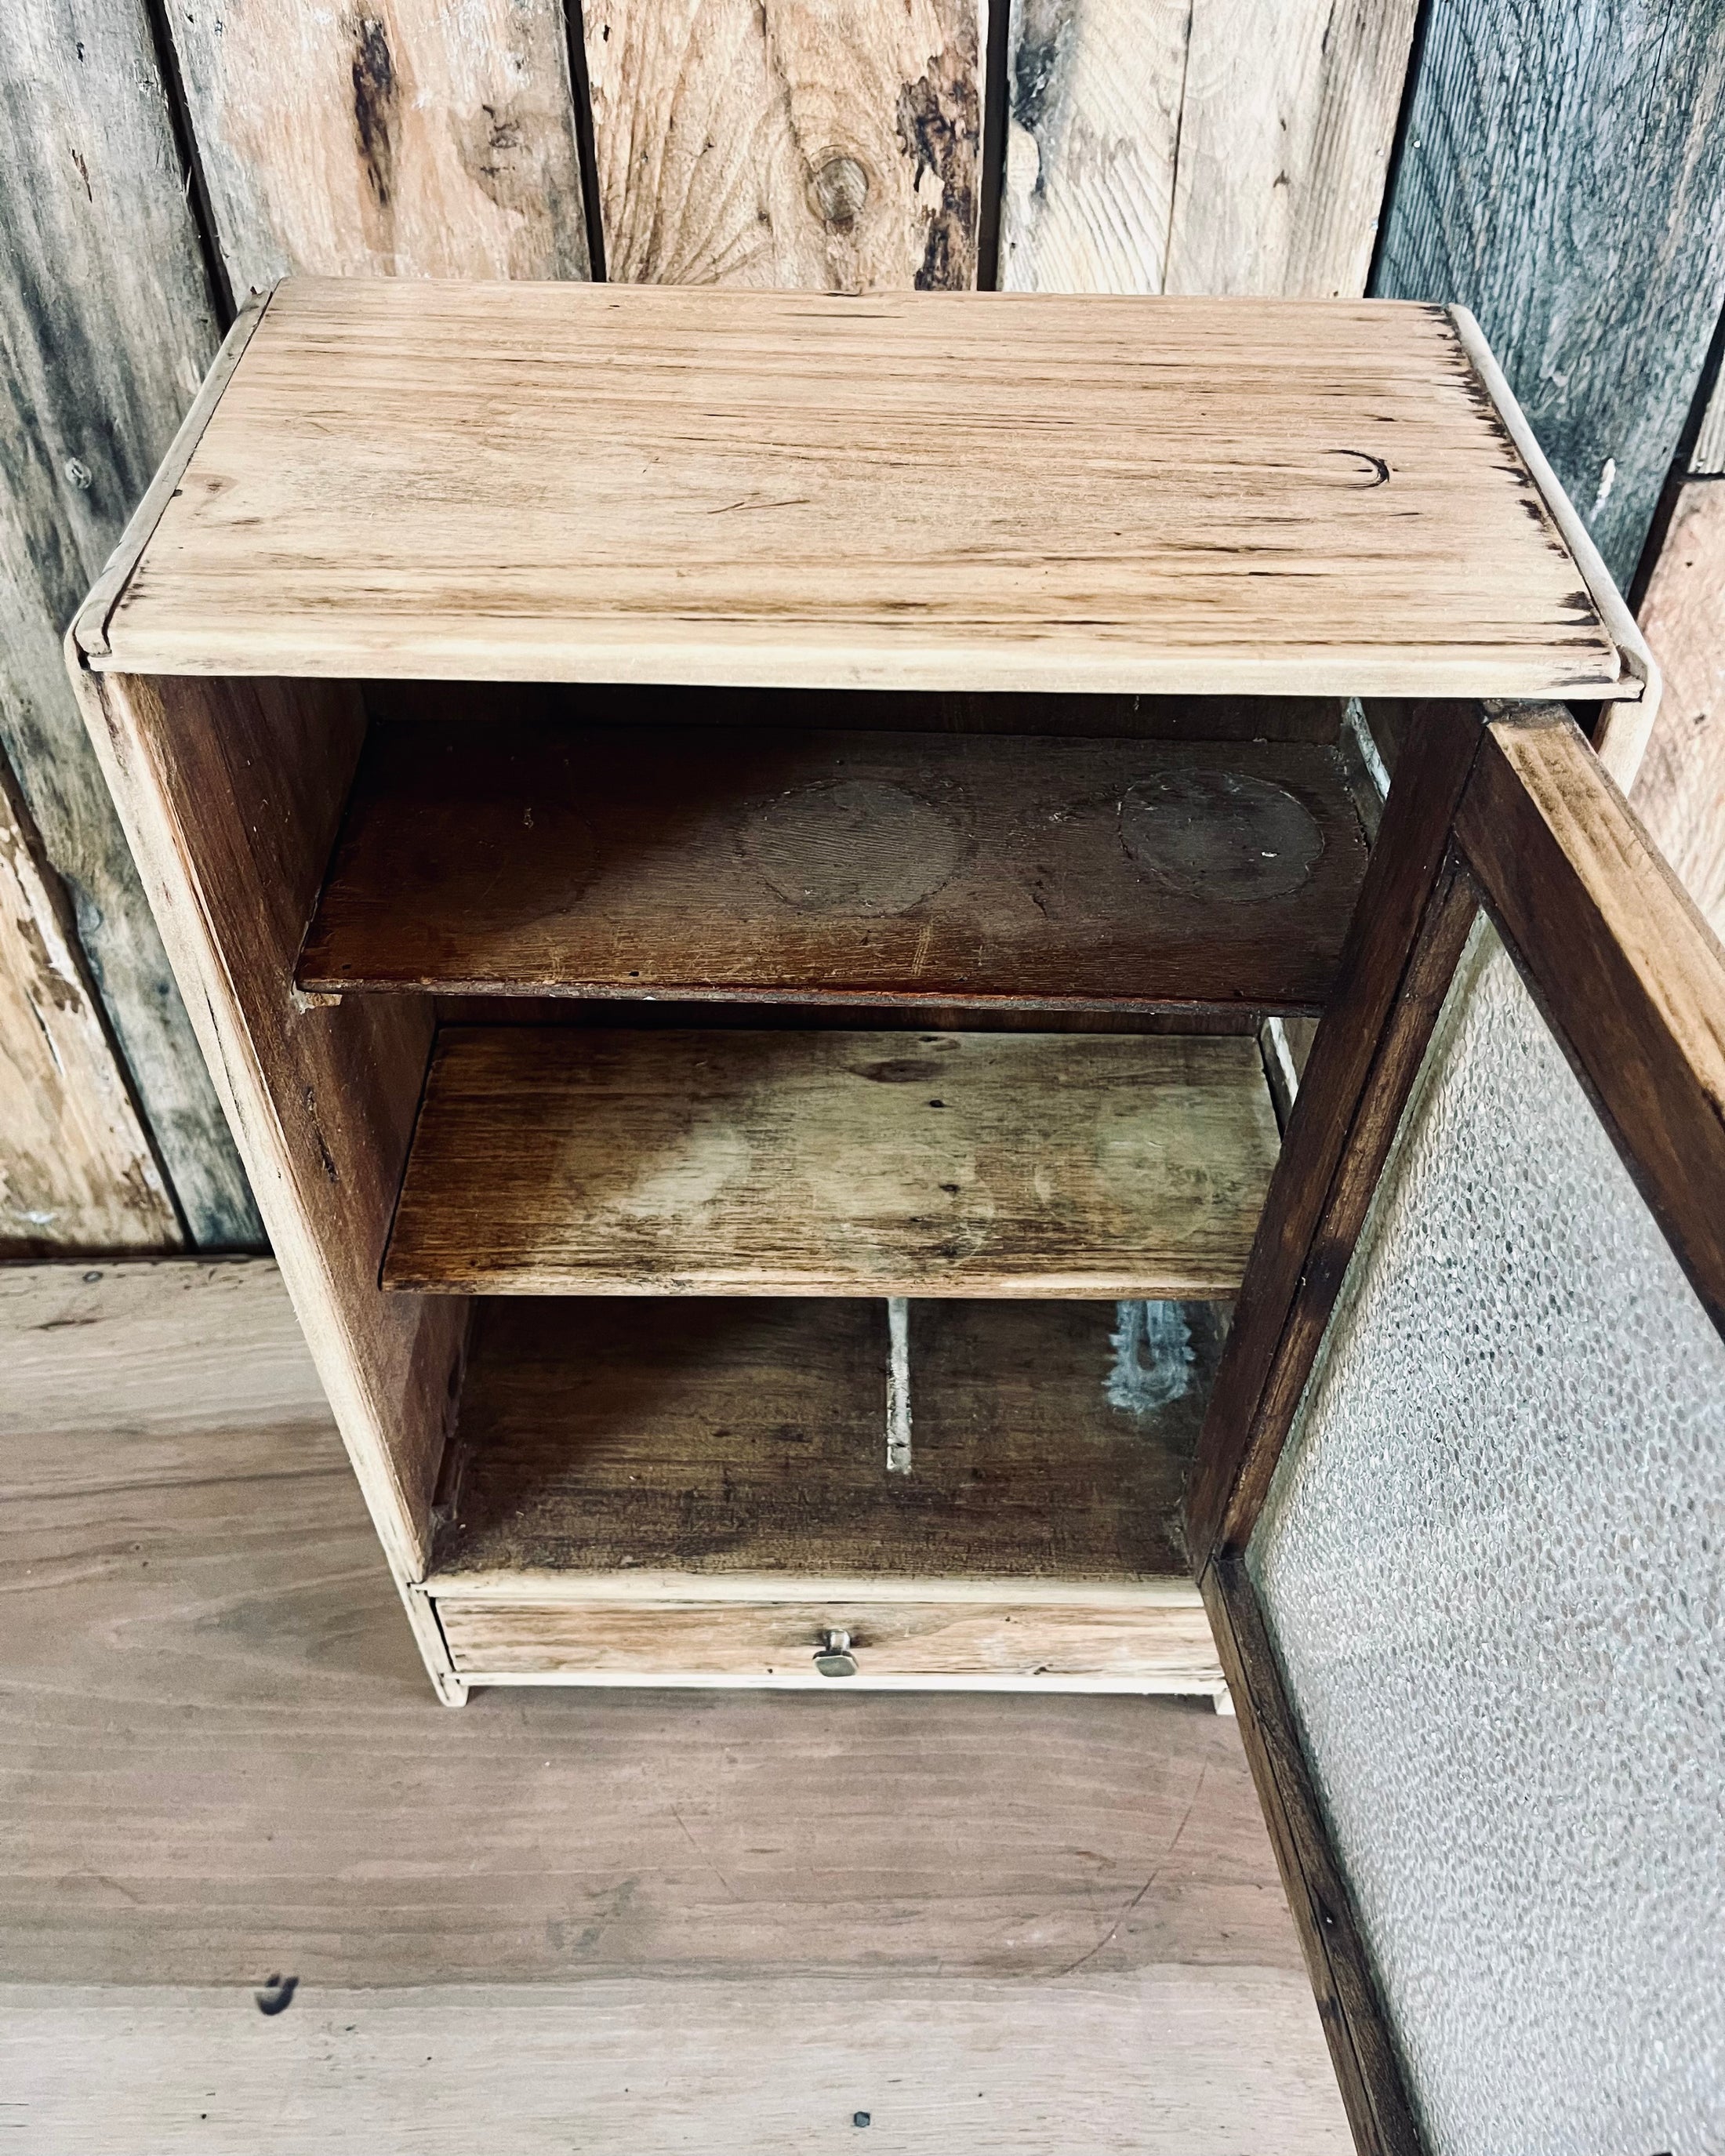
x=731, y=854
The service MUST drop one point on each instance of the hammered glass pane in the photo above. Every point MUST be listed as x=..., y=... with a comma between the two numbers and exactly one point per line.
x=1492, y=1565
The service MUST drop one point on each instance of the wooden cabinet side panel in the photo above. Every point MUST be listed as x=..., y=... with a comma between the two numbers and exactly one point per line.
x=230, y=792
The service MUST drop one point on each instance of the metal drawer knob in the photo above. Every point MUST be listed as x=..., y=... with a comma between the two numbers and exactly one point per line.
x=835, y=1659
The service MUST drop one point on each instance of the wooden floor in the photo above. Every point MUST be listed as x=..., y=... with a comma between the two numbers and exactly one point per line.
x=652, y=1922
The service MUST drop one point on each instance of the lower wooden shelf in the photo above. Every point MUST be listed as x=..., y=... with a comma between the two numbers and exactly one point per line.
x=697, y=1493
x=561, y=1161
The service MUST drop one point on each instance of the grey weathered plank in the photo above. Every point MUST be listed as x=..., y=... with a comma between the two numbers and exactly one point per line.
x=105, y=327
x=1563, y=175
x=1206, y=147
x=1164, y=2062
x=407, y=137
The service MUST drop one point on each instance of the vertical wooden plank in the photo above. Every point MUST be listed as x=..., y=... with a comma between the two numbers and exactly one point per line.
x=1199, y=145
x=771, y=142
x=1285, y=130
x=1680, y=792
x=1708, y=456
x=404, y=136
x=1093, y=121
x=105, y=328
x=76, y=1170
x=1563, y=175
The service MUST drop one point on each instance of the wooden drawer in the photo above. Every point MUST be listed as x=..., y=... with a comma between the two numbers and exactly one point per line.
x=1159, y=1641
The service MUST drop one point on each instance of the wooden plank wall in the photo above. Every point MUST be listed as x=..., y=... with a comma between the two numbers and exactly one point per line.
x=1563, y=175
x=1560, y=165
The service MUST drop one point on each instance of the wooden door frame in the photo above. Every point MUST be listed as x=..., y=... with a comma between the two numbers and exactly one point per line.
x=1514, y=814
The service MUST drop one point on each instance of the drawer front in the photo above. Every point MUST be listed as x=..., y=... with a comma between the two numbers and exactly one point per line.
x=1153, y=1646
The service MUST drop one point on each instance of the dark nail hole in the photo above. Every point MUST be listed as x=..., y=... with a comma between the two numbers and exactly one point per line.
x=277, y=1994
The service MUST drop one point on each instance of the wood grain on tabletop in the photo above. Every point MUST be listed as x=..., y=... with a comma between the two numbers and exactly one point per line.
x=714, y=1438
x=558, y=1161
x=1169, y=2062
x=768, y=142
x=1543, y=143
x=1229, y=146
x=406, y=137
x=106, y=325
x=348, y=1829
x=1679, y=793
x=542, y=858
x=77, y=1169
x=408, y=477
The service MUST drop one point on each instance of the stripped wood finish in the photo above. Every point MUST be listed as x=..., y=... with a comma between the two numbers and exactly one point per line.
x=1561, y=177
x=105, y=326
x=503, y=857
x=551, y=1161
x=1159, y=1646
x=1231, y=496
x=77, y=1172
x=768, y=142
x=1199, y=145
x=1680, y=792
x=736, y=1445
x=406, y=137
x=231, y=793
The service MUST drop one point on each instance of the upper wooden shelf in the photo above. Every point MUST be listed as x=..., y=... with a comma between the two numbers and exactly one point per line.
x=740, y=864
x=928, y=490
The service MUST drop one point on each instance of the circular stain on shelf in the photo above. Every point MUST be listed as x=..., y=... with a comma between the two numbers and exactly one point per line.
x=1217, y=834
x=853, y=846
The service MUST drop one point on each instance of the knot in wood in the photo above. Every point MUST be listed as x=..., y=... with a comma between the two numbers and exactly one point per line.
x=839, y=189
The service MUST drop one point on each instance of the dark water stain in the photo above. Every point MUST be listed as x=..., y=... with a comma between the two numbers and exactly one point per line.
x=940, y=127
x=375, y=93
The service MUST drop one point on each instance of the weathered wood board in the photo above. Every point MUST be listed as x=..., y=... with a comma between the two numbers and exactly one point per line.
x=1198, y=145
x=772, y=142
x=1229, y=496
x=830, y=867
x=553, y=1161
x=722, y=1438
x=1707, y=459
x=1564, y=177
x=1680, y=792
x=160, y=1574
x=105, y=328
x=407, y=137
x=1170, y=2062
x=77, y=1172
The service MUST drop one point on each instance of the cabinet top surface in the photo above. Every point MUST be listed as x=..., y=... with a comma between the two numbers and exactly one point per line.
x=594, y=482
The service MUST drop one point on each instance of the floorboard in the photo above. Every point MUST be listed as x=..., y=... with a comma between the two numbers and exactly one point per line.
x=711, y=1921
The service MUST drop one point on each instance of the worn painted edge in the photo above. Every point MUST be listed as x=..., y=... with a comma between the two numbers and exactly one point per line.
x=691, y=1590
x=89, y=633
x=1626, y=723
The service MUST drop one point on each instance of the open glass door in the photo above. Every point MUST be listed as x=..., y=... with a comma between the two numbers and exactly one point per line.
x=1459, y=1512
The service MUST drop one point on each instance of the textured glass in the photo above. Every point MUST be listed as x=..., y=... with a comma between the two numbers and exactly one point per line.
x=1491, y=1566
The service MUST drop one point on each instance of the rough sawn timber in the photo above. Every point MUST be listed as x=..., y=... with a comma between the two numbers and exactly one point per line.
x=1199, y=145
x=406, y=137
x=105, y=328
x=1679, y=793
x=768, y=142
x=1231, y=496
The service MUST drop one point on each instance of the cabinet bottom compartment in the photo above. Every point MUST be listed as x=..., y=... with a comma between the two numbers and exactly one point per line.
x=698, y=1492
